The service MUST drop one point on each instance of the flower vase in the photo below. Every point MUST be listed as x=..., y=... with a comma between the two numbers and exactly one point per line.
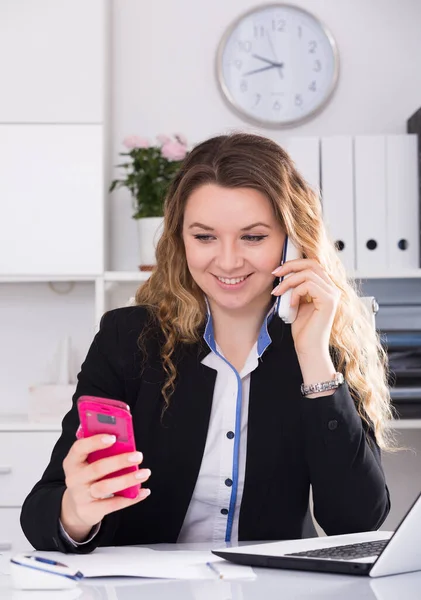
x=149, y=231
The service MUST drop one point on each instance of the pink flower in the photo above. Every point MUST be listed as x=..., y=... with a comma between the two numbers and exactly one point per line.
x=163, y=139
x=134, y=141
x=173, y=151
x=181, y=138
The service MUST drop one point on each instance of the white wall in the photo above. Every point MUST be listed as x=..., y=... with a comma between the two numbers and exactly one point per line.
x=163, y=77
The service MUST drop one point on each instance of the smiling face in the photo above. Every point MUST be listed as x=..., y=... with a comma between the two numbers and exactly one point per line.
x=233, y=242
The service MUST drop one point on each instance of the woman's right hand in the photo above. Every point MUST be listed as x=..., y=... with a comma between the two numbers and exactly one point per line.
x=85, y=501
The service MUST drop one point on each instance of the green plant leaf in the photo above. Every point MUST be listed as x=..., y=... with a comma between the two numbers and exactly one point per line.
x=147, y=176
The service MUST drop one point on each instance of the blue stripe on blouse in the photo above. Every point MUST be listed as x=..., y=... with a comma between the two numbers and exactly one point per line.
x=263, y=341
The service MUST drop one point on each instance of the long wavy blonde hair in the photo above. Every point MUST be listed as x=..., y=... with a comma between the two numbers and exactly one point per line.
x=243, y=160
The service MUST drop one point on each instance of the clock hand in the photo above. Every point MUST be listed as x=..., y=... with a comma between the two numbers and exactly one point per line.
x=281, y=75
x=262, y=69
x=271, y=62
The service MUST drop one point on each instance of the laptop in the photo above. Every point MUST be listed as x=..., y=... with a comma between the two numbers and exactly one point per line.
x=372, y=553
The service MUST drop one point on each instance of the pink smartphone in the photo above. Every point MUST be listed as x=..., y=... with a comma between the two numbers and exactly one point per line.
x=103, y=415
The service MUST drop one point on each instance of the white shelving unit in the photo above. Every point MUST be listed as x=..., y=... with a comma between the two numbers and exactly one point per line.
x=107, y=281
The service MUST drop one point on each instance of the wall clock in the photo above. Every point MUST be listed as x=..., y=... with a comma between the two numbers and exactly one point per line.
x=277, y=65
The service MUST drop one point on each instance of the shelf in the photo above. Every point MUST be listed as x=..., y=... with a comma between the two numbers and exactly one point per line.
x=404, y=274
x=46, y=278
x=405, y=424
x=126, y=275
x=20, y=422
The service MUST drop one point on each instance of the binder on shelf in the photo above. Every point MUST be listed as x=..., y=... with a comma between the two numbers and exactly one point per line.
x=402, y=201
x=370, y=203
x=305, y=152
x=337, y=186
x=413, y=125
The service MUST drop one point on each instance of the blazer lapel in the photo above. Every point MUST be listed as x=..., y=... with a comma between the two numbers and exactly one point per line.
x=174, y=445
x=273, y=418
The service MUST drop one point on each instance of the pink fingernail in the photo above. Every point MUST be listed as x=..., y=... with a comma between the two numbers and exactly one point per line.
x=143, y=474
x=135, y=457
x=108, y=439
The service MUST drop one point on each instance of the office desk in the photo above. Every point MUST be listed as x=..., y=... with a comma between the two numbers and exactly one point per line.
x=270, y=584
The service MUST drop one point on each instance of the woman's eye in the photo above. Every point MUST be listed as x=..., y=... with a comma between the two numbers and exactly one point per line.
x=254, y=238
x=203, y=238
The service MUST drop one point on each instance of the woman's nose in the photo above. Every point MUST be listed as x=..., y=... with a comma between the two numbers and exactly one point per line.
x=228, y=259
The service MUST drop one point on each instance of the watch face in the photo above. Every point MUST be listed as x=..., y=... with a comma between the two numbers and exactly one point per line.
x=277, y=65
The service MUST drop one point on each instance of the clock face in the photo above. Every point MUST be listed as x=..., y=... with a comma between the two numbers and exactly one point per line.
x=277, y=65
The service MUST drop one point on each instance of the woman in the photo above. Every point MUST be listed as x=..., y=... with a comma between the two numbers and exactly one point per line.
x=213, y=377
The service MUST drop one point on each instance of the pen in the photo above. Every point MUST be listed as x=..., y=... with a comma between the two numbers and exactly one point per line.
x=215, y=569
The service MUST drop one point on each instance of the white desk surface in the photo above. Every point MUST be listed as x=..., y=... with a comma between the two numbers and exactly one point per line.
x=270, y=584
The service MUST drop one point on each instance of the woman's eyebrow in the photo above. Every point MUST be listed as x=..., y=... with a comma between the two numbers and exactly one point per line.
x=207, y=228
x=258, y=224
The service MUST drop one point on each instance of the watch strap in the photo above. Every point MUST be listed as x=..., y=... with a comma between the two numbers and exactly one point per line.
x=323, y=386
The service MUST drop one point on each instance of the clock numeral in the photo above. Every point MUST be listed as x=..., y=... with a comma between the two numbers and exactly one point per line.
x=259, y=31
x=244, y=45
x=243, y=85
x=277, y=105
x=298, y=100
x=312, y=86
x=256, y=102
x=312, y=46
x=238, y=64
x=300, y=31
x=317, y=65
x=278, y=24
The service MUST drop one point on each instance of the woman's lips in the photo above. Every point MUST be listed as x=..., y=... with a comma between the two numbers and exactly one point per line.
x=231, y=286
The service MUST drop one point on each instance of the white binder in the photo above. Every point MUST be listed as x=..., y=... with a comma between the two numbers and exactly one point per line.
x=305, y=152
x=403, y=219
x=370, y=204
x=337, y=183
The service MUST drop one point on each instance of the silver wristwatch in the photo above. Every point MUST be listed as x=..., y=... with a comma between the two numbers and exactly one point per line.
x=322, y=386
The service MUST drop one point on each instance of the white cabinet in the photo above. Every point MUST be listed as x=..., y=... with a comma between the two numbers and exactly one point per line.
x=52, y=61
x=23, y=457
x=53, y=119
x=12, y=538
x=25, y=451
x=52, y=190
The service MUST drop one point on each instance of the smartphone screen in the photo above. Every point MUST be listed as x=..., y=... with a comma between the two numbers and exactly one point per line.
x=100, y=422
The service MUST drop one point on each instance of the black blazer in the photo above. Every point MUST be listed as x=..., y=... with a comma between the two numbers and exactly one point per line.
x=292, y=442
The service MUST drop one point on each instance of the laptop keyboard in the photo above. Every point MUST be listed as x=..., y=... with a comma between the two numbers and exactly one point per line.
x=347, y=552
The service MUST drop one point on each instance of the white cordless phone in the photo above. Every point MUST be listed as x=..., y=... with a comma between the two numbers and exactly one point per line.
x=284, y=309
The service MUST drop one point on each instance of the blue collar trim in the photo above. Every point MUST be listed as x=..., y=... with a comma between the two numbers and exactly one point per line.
x=263, y=341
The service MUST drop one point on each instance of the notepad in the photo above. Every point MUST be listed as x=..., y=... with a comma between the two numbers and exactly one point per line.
x=133, y=561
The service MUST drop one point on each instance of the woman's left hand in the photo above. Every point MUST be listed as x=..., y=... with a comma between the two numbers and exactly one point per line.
x=317, y=297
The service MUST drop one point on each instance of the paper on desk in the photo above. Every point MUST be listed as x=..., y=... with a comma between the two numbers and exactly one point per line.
x=132, y=561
